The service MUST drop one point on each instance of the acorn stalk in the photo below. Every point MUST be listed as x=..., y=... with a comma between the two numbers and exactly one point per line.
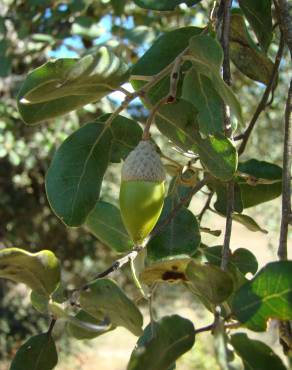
x=142, y=191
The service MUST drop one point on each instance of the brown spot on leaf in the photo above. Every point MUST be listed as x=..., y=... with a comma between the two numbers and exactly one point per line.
x=173, y=275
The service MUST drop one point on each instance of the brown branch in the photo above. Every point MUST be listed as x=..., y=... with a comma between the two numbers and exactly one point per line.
x=228, y=225
x=227, y=124
x=225, y=35
x=285, y=21
x=146, y=131
x=225, y=41
x=232, y=325
x=286, y=178
x=51, y=326
x=115, y=266
x=263, y=103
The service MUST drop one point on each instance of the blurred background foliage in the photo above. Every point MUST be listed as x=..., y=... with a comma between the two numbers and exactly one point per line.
x=31, y=32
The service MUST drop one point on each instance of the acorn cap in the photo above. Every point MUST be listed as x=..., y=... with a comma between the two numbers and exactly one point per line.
x=143, y=164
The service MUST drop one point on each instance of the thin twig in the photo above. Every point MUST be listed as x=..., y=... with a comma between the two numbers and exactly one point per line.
x=262, y=105
x=285, y=21
x=204, y=328
x=115, y=266
x=146, y=132
x=206, y=206
x=225, y=35
x=228, y=225
x=225, y=40
x=51, y=326
x=286, y=178
x=232, y=325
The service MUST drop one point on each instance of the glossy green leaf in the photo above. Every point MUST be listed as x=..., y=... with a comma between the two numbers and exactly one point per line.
x=245, y=261
x=163, y=51
x=258, y=182
x=264, y=182
x=198, y=90
x=62, y=85
x=251, y=63
x=75, y=175
x=104, y=297
x=248, y=222
x=255, y=355
x=106, y=224
x=234, y=267
x=85, y=326
x=221, y=190
x=218, y=154
x=39, y=271
x=209, y=282
x=259, y=15
x=147, y=337
x=38, y=353
x=39, y=302
x=180, y=236
x=178, y=122
x=206, y=56
x=260, y=169
x=267, y=295
x=241, y=258
x=173, y=336
x=244, y=53
x=171, y=270
x=163, y=4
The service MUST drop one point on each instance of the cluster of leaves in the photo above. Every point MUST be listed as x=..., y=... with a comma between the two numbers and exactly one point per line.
x=194, y=124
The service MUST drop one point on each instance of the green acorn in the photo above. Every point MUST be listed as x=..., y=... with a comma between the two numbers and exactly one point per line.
x=142, y=190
